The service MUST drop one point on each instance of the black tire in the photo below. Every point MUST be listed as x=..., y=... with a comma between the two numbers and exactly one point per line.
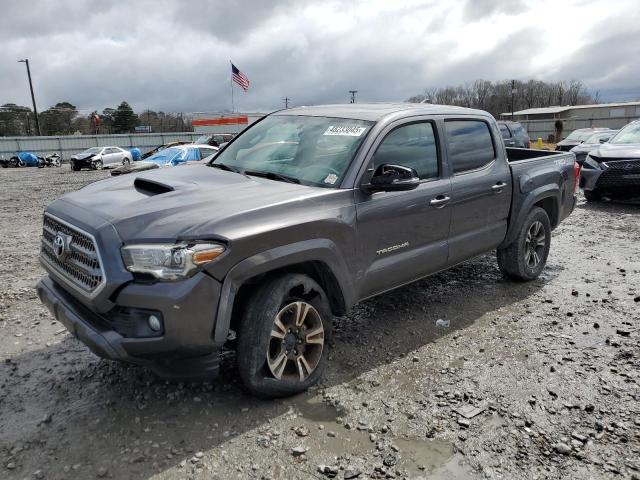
x=97, y=165
x=524, y=259
x=126, y=161
x=592, y=195
x=13, y=162
x=276, y=297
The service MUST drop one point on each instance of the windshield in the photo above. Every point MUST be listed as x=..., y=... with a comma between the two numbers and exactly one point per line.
x=167, y=155
x=93, y=150
x=203, y=140
x=596, y=137
x=579, y=135
x=629, y=134
x=312, y=150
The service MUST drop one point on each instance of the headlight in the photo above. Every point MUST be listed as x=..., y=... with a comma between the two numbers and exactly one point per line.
x=169, y=261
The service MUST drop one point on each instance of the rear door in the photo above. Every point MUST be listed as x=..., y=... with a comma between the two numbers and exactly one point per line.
x=402, y=236
x=480, y=187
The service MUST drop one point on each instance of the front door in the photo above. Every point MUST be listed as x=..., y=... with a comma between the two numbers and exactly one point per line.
x=403, y=235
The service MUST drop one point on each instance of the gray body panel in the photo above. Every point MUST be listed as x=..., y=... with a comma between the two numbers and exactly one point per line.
x=364, y=243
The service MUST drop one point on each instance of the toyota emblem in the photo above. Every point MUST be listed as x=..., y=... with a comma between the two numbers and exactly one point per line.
x=59, y=246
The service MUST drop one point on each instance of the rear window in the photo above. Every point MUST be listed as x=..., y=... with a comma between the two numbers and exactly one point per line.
x=504, y=131
x=469, y=144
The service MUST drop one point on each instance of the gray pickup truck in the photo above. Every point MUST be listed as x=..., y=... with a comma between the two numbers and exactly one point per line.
x=304, y=214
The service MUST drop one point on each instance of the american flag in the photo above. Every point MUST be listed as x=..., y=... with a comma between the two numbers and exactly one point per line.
x=239, y=77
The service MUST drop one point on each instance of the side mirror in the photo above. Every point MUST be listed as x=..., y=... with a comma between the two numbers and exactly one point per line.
x=392, y=178
x=603, y=140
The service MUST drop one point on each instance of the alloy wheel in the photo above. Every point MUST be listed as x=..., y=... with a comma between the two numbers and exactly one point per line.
x=535, y=244
x=296, y=342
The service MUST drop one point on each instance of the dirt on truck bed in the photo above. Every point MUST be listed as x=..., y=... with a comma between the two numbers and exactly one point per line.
x=462, y=375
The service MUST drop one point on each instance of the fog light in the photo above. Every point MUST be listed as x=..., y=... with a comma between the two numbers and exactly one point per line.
x=154, y=323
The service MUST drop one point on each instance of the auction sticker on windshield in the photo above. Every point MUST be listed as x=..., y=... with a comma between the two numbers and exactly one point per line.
x=345, y=130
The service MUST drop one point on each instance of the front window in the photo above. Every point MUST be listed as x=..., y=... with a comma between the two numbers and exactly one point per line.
x=629, y=134
x=202, y=140
x=310, y=150
x=93, y=150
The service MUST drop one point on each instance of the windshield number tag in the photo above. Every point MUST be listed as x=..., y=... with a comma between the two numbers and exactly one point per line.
x=331, y=178
x=345, y=131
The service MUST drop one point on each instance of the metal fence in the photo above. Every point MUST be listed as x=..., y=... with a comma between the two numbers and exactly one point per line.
x=544, y=128
x=67, y=145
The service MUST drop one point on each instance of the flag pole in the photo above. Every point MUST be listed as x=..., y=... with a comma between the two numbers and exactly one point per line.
x=231, y=85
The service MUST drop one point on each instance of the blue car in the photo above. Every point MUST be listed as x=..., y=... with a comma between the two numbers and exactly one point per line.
x=25, y=159
x=179, y=155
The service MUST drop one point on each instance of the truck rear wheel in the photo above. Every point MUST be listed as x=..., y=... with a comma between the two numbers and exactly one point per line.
x=527, y=255
x=282, y=339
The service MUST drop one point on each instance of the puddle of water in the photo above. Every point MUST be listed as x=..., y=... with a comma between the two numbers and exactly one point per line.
x=433, y=458
x=421, y=458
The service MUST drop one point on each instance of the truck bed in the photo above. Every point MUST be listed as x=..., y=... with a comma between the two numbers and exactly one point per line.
x=525, y=154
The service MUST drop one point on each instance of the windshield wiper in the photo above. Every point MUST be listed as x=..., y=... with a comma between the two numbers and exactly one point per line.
x=228, y=168
x=272, y=176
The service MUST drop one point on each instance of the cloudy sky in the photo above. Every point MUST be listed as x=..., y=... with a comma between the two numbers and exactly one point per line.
x=174, y=55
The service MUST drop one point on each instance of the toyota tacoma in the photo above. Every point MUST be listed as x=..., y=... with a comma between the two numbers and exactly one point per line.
x=307, y=212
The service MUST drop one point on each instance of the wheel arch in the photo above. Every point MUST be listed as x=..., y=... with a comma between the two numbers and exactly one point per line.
x=547, y=198
x=319, y=259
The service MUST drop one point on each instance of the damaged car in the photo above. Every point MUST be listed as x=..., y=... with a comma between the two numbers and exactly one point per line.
x=591, y=143
x=96, y=158
x=613, y=169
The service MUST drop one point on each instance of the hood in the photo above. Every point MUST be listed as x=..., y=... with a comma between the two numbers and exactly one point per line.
x=187, y=202
x=83, y=156
x=568, y=142
x=608, y=150
x=585, y=147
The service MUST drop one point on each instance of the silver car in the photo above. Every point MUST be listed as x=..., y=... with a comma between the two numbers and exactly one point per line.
x=97, y=158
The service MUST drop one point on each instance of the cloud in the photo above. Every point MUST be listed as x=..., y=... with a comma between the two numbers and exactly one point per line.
x=174, y=56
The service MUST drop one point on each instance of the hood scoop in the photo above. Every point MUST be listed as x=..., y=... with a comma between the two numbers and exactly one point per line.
x=151, y=187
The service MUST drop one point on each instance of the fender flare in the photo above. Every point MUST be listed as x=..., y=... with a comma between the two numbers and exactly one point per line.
x=533, y=197
x=315, y=250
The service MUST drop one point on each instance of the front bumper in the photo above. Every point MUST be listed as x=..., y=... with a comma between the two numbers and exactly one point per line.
x=184, y=347
x=613, y=177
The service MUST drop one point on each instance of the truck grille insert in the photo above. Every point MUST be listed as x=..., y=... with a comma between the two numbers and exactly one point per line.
x=79, y=262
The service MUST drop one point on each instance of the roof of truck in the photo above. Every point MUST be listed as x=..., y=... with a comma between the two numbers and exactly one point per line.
x=377, y=111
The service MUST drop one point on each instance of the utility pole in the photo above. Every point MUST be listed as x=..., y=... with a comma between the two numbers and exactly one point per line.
x=353, y=95
x=513, y=94
x=33, y=98
x=286, y=102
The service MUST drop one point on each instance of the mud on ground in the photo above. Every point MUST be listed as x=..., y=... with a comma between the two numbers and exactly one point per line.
x=546, y=371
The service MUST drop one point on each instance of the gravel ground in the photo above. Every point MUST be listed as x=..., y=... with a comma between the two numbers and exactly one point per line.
x=529, y=380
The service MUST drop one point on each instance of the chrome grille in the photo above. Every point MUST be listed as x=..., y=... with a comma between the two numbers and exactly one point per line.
x=81, y=265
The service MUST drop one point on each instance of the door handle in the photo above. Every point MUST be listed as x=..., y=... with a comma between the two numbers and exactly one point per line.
x=498, y=187
x=439, y=201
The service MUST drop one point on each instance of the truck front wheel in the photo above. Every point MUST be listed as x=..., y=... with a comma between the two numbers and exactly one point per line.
x=282, y=339
x=527, y=255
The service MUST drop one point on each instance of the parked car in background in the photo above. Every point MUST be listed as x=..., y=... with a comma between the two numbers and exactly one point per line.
x=613, y=168
x=591, y=143
x=259, y=250
x=96, y=158
x=155, y=150
x=514, y=134
x=576, y=138
x=173, y=156
x=215, y=139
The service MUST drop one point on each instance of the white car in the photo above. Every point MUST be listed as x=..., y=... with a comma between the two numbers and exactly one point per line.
x=96, y=158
